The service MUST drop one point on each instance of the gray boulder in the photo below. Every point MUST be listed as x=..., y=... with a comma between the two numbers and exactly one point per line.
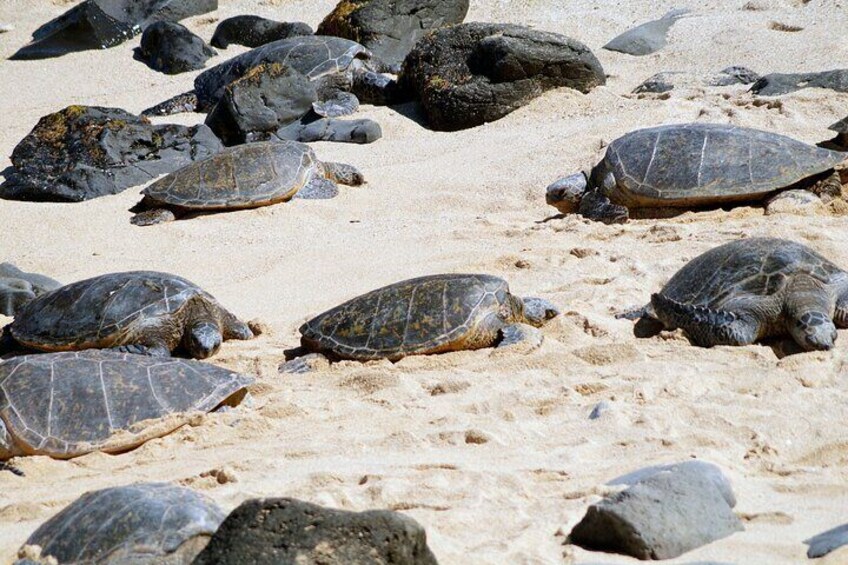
x=825, y=542
x=666, y=512
x=646, y=38
x=391, y=28
x=280, y=531
x=775, y=84
x=253, y=31
x=83, y=152
x=171, y=48
x=474, y=73
x=17, y=288
x=97, y=24
x=669, y=80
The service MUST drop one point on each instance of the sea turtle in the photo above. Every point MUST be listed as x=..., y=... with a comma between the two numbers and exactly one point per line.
x=336, y=65
x=694, y=165
x=245, y=176
x=136, y=311
x=70, y=403
x=750, y=289
x=140, y=523
x=424, y=315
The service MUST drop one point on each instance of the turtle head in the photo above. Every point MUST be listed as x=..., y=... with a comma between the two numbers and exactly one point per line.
x=537, y=311
x=202, y=339
x=565, y=194
x=814, y=331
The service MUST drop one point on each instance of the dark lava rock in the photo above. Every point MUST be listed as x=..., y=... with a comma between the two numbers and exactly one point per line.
x=775, y=84
x=97, y=24
x=83, y=152
x=825, y=542
x=171, y=48
x=283, y=531
x=470, y=74
x=17, y=288
x=253, y=31
x=391, y=28
x=661, y=516
x=267, y=98
x=669, y=80
x=646, y=38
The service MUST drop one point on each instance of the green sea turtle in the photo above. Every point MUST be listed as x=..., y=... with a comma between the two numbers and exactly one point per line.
x=70, y=403
x=245, y=176
x=334, y=64
x=425, y=315
x=694, y=165
x=135, y=311
x=750, y=289
x=140, y=523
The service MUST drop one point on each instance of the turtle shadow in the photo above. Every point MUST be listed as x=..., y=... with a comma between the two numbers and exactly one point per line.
x=551, y=218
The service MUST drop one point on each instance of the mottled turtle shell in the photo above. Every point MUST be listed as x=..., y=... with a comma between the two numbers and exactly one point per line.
x=694, y=164
x=315, y=56
x=71, y=403
x=141, y=523
x=95, y=312
x=756, y=267
x=426, y=314
x=245, y=176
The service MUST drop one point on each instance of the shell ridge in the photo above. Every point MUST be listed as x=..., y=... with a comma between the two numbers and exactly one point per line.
x=105, y=395
x=408, y=316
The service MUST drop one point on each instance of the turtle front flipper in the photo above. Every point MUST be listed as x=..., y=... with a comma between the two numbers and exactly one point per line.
x=807, y=313
x=235, y=328
x=343, y=173
x=155, y=350
x=840, y=314
x=707, y=327
x=318, y=188
x=525, y=335
x=596, y=206
x=154, y=216
x=340, y=104
x=185, y=102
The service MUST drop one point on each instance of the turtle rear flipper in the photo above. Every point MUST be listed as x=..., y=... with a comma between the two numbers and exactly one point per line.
x=340, y=104
x=318, y=188
x=185, y=102
x=596, y=206
x=706, y=327
x=155, y=216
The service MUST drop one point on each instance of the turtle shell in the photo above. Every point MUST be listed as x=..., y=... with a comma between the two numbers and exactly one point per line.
x=755, y=267
x=696, y=164
x=313, y=55
x=245, y=176
x=141, y=523
x=423, y=315
x=96, y=312
x=71, y=403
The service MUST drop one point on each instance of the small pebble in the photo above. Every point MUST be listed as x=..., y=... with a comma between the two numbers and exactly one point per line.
x=600, y=409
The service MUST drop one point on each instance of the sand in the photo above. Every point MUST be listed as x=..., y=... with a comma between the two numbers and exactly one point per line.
x=491, y=451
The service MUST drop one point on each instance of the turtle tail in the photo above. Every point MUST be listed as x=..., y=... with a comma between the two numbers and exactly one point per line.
x=706, y=327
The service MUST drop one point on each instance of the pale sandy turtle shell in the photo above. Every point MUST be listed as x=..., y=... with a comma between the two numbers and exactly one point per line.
x=71, y=403
x=141, y=523
x=245, y=176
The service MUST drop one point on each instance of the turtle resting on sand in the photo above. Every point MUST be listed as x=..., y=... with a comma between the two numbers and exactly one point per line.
x=431, y=314
x=750, y=289
x=70, y=403
x=140, y=523
x=135, y=312
x=692, y=166
x=334, y=64
x=245, y=176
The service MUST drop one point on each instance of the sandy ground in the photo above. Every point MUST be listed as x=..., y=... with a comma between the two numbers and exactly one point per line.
x=492, y=452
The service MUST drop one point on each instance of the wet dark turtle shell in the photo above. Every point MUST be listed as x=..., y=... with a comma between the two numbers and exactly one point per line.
x=424, y=315
x=245, y=176
x=141, y=523
x=148, y=308
x=315, y=56
x=696, y=164
x=71, y=403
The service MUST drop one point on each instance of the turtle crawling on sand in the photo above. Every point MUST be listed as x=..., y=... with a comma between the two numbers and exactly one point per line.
x=71, y=403
x=694, y=165
x=245, y=176
x=135, y=312
x=751, y=289
x=140, y=523
x=425, y=315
